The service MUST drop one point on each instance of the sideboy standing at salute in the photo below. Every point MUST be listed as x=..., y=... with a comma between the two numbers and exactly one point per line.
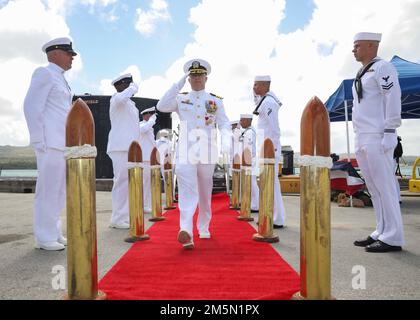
x=267, y=110
x=124, y=118
x=199, y=113
x=376, y=116
x=46, y=106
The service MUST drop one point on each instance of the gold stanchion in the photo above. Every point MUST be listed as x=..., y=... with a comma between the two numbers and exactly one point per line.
x=266, y=212
x=246, y=176
x=169, y=185
x=236, y=182
x=315, y=208
x=135, y=194
x=82, y=273
x=156, y=187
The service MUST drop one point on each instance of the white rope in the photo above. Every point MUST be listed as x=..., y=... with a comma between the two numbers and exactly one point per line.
x=85, y=151
x=167, y=170
x=316, y=161
x=132, y=165
x=155, y=166
x=236, y=170
x=267, y=161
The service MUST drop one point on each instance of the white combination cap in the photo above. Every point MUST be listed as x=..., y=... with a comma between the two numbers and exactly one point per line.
x=234, y=122
x=197, y=66
x=122, y=78
x=368, y=36
x=246, y=116
x=149, y=110
x=263, y=78
x=63, y=43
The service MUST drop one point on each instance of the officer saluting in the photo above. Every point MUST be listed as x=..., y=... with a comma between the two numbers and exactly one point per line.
x=199, y=113
x=376, y=115
x=46, y=106
x=124, y=118
x=267, y=110
x=248, y=138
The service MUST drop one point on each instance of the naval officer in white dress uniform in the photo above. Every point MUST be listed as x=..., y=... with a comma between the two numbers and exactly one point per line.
x=248, y=138
x=125, y=120
x=376, y=116
x=147, y=143
x=267, y=110
x=199, y=112
x=46, y=106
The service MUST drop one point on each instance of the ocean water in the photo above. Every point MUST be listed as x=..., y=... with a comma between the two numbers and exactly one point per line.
x=406, y=171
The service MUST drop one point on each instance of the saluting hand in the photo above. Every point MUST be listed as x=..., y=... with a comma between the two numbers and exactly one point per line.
x=182, y=81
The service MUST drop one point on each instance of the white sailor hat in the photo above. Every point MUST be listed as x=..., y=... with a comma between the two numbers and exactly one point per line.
x=246, y=116
x=197, y=66
x=234, y=122
x=149, y=110
x=64, y=44
x=368, y=36
x=124, y=78
x=262, y=78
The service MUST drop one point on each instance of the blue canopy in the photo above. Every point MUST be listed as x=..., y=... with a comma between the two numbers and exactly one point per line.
x=409, y=78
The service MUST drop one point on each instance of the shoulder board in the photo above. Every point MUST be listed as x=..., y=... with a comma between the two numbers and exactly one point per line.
x=183, y=92
x=214, y=95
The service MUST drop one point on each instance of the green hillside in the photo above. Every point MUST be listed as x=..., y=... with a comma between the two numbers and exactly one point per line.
x=17, y=157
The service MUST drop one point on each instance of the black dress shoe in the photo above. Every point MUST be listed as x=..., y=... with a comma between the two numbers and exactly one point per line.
x=276, y=226
x=364, y=243
x=255, y=211
x=380, y=246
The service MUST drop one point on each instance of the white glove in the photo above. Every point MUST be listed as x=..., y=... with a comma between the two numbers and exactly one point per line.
x=134, y=87
x=153, y=118
x=39, y=146
x=389, y=141
x=182, y=81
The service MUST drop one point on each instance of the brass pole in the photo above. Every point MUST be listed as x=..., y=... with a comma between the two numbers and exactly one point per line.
x=135, y=195
x=169, y=186
x=156, y=187
x=246, y=176
x=266, y=212
x=236, y=180
x=82, y=265
x=315, y=210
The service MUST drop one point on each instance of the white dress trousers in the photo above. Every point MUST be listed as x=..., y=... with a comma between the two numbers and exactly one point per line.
x=120, y=207
x=50, y=194
x=195, y=183
x=378, y=170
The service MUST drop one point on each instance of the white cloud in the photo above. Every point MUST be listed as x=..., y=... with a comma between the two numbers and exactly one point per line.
x=148, y=19
x=25, y=26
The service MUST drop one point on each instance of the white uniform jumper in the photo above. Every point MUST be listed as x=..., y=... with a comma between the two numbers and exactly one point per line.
x=46, y=106
x=147, y=143
x=196, y=155
x=268, y=124
x=124, y=118
x=379, y=109
x=163, y=145
x=249, y=141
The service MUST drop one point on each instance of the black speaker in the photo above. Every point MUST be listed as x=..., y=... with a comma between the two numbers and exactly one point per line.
x=99, y=106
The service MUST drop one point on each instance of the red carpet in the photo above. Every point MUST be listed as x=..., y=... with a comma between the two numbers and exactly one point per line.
x=229, y=266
